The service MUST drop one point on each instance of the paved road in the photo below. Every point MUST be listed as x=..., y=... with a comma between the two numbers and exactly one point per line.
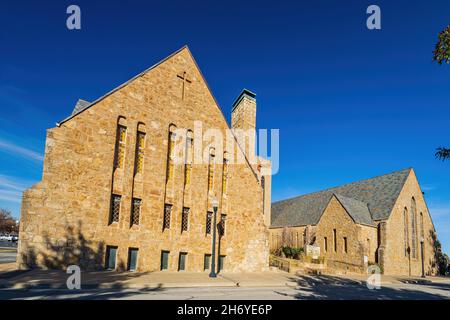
x=316, y=291
x=6, y=255
x=8, y=244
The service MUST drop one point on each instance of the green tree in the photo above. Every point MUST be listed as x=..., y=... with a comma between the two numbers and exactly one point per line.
x=441, y=51
x=441, y=54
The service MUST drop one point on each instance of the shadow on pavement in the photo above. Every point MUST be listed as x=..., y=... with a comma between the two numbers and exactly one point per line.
x=336, y=288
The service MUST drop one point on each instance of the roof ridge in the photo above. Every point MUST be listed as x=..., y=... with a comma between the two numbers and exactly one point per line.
x=124, y=84
x=343, y=185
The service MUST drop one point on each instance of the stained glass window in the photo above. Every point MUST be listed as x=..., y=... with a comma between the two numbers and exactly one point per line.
x=406, y=231
x=170, y=156
x=189, y=154
x=140, y=152
x=120, y=148
x=224, y=176
x=413, y=229
x=211, y=173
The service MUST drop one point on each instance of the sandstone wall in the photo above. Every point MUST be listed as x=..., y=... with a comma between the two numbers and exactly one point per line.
x=65, y=217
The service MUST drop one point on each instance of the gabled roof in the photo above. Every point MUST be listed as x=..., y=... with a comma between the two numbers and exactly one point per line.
x=126, y=83
x=378, y=194
x=358, y=210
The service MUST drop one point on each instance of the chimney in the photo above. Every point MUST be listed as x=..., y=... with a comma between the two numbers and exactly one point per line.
x=243, y=122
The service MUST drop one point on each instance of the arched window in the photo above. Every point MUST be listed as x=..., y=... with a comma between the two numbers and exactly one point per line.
x=140, y=146
x=413, y=228
x=121, y=138
x=406, y=231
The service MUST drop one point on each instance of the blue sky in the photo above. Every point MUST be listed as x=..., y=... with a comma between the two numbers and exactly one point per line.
x=350, y=103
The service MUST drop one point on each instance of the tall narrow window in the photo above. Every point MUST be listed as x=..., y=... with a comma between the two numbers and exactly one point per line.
x=208, y=222
x=207, y=262
x=165, y=260
x=368, y=247
x=211, y=172
x=167, y=212
x=422, y=231
x=115, y=208
x=120, y=146
x=132, y=259
x=225, y=176
x=223, y=218
x=140, y=145
x=325, y=244
x=111, y=253
x=335, y=240
x=189, y=160
x=221, y=263
x=185, y=219
x=182, y=261
x=345, y=245
x=135, y=211
x=413, y=229
x=406, y=232
x=170, y=156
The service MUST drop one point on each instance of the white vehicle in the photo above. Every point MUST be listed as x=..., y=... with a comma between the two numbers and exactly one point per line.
x=15, y=238
x=9, y=238
x=2, y=237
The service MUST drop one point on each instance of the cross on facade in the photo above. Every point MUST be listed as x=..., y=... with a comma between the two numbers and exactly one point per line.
x=185, y=80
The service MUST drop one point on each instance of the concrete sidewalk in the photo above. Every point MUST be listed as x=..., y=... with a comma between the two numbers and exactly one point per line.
x=55, y=279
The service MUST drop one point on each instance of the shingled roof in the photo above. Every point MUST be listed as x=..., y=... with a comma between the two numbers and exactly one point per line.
x=365, y=201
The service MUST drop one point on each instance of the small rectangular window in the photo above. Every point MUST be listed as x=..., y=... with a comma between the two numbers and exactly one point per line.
x=207, y=262
x=111, y=253
x=164, y=260
x=345, y=245
x=115, y=208
x=167, y=213
x=135, y=211
x=185, y=219
x=132, y=259
x=221, y=263
x=208, y=222
x=182, y=261
x=325, y=244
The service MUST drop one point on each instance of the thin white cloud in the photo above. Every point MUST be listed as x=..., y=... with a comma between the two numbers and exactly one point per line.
x=11, y=188
x=18, y=150
x=13, y=183
x=11, y=196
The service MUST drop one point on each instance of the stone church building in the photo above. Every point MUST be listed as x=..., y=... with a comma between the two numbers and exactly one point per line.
x=112, y=195
x=382, y=220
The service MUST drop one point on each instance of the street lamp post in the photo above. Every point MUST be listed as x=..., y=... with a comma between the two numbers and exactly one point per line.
x=212, y=274
x=422, y=240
